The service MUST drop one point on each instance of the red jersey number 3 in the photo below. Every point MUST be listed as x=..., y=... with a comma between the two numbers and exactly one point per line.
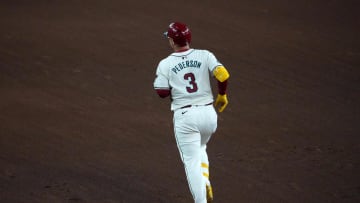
x=193, y=86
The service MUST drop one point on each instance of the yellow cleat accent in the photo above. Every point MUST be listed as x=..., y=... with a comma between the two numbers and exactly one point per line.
x=209, y=194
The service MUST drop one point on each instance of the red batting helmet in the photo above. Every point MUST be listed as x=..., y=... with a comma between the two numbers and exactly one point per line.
x=180, y=33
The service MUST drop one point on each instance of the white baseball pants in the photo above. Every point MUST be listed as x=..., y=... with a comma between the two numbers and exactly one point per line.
x=193, y=127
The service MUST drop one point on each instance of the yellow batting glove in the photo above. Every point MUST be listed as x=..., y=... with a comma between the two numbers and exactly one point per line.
x=222, y=101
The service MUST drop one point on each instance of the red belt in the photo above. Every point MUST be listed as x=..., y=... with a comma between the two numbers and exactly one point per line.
x=188, y=106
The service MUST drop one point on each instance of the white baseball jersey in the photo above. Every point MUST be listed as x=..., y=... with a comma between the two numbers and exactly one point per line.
x=186, y=74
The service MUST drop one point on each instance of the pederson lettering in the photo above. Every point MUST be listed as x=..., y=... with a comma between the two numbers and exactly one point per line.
x=186, y=64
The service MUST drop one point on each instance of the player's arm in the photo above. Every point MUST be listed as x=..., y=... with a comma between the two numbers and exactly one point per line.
x=161, y=83
x=222, y=77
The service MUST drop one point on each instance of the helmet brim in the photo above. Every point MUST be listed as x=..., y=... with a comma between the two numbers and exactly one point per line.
x=166, y=34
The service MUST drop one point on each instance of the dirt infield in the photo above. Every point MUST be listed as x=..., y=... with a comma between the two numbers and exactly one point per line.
x=80, y=121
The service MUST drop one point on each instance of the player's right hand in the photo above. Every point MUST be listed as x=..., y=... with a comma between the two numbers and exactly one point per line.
x=222, y=101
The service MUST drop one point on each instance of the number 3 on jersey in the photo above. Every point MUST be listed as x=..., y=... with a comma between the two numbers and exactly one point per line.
x=191, y=78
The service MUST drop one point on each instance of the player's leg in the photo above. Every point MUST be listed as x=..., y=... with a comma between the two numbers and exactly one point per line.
x=207, y=126
x=206, y=174
x=188, y=140
x=205, y=164
x=207, y=123
x=191, y=156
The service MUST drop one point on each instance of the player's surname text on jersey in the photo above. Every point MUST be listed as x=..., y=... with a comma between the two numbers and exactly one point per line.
x=186, y=64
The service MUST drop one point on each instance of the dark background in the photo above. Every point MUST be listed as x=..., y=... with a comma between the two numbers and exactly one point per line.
x=80, y=121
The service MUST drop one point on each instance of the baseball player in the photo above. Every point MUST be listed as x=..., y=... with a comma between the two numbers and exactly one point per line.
x=185, y=76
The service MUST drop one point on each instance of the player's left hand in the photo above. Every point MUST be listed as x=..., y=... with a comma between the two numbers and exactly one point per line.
x=222, y=101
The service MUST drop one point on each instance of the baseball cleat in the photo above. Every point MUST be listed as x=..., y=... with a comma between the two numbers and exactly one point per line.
x=209, y=194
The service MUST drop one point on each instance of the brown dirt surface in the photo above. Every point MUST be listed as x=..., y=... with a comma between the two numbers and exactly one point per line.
x=80, y=121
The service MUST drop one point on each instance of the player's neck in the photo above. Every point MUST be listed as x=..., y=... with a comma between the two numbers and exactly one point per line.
x=181, y=49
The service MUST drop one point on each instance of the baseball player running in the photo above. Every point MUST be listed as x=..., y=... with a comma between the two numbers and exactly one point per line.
x=185, y=76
